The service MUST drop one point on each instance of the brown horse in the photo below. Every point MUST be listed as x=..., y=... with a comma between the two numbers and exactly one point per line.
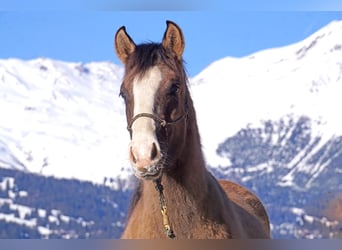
x=175, y=188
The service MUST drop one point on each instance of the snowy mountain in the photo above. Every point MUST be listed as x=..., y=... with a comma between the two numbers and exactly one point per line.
x=62, y=119
x=303, y=79
x=269, y=121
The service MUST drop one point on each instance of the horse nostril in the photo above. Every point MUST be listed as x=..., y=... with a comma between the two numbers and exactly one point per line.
x=132, y=156
x=154, y=151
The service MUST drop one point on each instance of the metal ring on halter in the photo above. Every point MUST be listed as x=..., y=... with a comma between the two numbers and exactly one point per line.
x=163, y=123
x=148, y=115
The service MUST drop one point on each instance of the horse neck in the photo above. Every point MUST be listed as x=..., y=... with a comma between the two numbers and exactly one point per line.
x=189, y=173
x=191, y=165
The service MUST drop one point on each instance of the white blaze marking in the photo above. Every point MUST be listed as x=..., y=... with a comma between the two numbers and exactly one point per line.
x=143, y=129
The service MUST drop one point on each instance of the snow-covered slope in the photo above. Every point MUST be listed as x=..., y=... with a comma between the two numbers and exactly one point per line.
x=62, y=119
x=280, y=85
x=65, y=119
x=302, y=79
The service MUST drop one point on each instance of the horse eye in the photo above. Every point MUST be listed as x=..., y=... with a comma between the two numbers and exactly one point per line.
x=122, y=95
x=174, y=88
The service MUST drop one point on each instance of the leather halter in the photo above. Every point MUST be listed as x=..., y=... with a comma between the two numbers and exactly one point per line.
x=163, y=123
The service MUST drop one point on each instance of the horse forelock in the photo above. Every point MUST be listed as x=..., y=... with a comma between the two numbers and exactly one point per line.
x=147, y=55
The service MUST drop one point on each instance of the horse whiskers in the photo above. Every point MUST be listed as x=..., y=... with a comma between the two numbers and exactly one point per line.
x=166, y=160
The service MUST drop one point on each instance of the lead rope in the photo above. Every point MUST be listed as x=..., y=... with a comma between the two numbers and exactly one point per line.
x=163, y=208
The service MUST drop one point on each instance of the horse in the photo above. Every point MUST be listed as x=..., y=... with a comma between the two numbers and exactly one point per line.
x=176, y=196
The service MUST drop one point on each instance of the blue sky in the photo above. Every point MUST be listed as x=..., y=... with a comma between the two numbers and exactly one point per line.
x=71, y=31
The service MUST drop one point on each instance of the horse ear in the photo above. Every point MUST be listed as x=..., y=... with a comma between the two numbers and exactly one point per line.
x=173, y=39
x=124, y=45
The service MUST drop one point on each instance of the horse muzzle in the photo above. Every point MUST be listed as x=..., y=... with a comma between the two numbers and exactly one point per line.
x=148, y=173
x=145, y=158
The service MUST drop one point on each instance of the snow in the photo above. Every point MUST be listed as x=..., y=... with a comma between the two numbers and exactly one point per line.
x=298, y=211
x=22, y=210
x=261, y=167
x=53, y=219
x=23, y=193
x=65, y=219
x=7, y=182
x=41, y=213
x=62, y=122
x=44, y=231
x=5, y=201
x=66, y=119
x=12, y=218
x=270, y=85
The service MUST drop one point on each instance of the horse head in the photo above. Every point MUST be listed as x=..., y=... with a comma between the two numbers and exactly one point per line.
x=155, y=92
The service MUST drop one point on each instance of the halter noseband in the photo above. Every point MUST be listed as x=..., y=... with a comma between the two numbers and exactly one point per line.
x=163, y=123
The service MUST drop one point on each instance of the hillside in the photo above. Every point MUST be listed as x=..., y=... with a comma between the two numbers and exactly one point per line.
x=38, y=207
